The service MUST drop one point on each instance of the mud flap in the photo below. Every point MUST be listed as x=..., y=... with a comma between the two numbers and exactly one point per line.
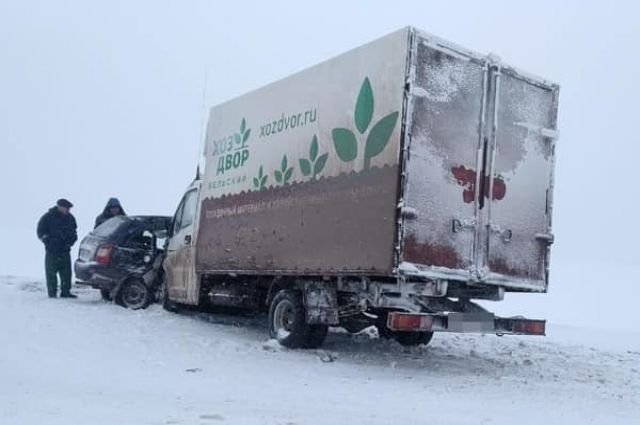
x=321, y=303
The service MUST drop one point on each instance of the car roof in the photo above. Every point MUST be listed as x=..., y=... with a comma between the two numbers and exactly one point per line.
x=155, y=223
x=158, y=225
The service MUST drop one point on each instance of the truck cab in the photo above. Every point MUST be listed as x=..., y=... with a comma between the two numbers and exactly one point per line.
x=179, y=263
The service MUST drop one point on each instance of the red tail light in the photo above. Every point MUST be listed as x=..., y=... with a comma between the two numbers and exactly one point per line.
x=103, y=255
x=409, y=322
x=529, y=327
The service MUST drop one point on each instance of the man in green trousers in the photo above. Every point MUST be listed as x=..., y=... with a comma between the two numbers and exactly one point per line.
x=57, y=230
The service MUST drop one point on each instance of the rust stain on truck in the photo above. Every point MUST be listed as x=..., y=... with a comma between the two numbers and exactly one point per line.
x=432, y=254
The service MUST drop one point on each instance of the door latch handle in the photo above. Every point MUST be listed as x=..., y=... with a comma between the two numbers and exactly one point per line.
x=460, y=225
x=187, y=240
x=505, y=234
x=548, y=238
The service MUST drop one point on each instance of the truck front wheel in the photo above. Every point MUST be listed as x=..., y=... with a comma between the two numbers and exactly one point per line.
x=287, y=322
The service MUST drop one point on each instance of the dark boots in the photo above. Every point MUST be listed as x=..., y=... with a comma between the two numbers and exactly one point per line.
x=55, y=264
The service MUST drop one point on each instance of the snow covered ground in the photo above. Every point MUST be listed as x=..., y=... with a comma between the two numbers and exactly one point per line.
x=88, y=362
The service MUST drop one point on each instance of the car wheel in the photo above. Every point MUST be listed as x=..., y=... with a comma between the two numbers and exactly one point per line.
x=106, y=295
x=134, y=294
x=287, y=322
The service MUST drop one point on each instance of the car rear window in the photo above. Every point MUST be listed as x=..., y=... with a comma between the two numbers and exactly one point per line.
x=110, y=226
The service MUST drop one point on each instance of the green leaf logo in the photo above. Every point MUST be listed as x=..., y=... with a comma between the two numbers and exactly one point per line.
x=287, y=175
x=241, y=138
x=314, y=165
x=320, y=163
x=283, y=175
x=305, y=166
x=313, y=149
x=345, y=141
x=379, y=137
x=364, y=106
x=260, y=181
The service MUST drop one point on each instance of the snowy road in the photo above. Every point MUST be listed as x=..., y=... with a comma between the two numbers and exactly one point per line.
x=87, y=362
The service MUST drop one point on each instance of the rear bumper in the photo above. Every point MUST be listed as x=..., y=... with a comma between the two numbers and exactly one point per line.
x=94, y=275
x=411, y=271
x=479, y=322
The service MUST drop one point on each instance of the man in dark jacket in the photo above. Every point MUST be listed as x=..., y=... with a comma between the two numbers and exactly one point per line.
x=57, y=230
x=112, y=209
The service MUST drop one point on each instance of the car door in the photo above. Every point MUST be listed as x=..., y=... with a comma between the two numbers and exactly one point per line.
x=180, y=261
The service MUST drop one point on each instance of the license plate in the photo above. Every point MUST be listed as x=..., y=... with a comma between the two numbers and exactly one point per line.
x=471, y=322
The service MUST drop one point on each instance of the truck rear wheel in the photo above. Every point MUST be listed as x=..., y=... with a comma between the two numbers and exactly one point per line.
x=411, y=339
x=287, y=322
x=407, y=339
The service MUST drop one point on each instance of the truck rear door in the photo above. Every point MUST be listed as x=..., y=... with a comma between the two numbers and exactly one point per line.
x=446, y=120
x=478, y=169
x=518, y=180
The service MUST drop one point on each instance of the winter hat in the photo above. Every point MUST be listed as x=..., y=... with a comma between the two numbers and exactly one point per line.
x=64, y=203
x=113, y=203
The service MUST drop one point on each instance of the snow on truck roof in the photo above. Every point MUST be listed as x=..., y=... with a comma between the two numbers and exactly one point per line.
x=429, y=40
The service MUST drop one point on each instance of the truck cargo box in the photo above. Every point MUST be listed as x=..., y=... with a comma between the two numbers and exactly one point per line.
x=408, y=157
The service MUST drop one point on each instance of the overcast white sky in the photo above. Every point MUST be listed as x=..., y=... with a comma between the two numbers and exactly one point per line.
x=101, y=99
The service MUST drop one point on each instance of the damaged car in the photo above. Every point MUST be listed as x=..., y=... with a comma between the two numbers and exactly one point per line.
x=123, y=259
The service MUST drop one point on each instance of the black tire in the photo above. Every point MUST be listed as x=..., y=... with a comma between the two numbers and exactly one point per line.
x=316, y=336
x=106, y=295
x=411, y=339
x=134, y=294
x=384, y=332
x=356, y=324
x=287, y=322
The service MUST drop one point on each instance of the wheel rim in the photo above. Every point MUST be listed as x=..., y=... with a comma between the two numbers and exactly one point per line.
x=283, y=319
x=134, y=295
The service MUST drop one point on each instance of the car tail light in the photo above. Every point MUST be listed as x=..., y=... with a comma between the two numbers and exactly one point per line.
x=409, y=322
x=103, y=255
x=529, y=327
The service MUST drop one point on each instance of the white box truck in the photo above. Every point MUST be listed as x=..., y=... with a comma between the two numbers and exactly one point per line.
x=392, y=186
